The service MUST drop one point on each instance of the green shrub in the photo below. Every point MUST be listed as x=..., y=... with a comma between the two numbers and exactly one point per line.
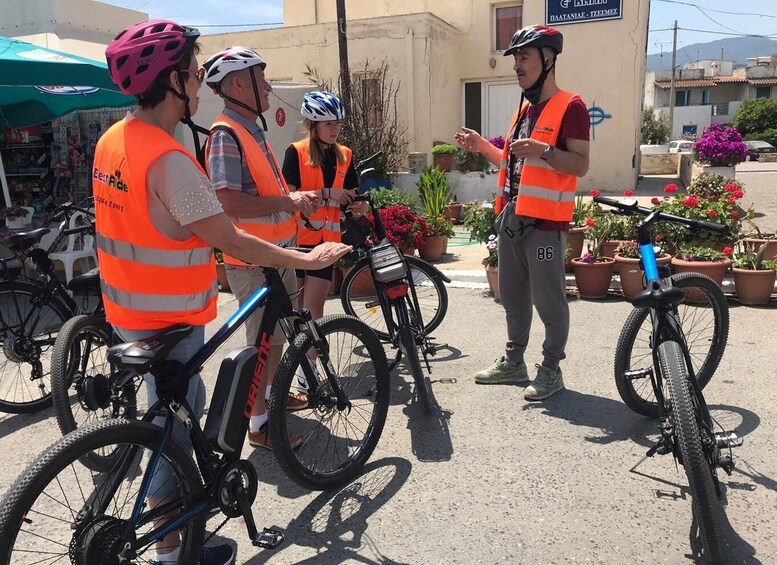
x=383, y=197
x=434, y=190
x=479, y=220
x=444, y=149
x=758, y=114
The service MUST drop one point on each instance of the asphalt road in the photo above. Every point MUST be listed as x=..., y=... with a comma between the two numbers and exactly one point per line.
x=495, y=479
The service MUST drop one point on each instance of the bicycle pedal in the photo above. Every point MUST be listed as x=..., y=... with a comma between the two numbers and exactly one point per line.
x=268, y=538
x=638, y=374
x=727, y=464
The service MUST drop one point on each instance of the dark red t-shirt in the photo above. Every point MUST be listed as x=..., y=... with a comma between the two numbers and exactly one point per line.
x=575, y=124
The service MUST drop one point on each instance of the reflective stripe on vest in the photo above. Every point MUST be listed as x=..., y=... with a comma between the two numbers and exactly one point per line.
x=279, y=228
x=327, y=218
x=149, y=281
x=543, y=191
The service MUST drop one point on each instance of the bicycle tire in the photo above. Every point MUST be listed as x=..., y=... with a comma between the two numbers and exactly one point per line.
x=698, y=469
x=407, y=333
x=17, y=386
x=321, y=462
x=634, y=350
x=82, y=381
x=358, y=291
x=58, y=467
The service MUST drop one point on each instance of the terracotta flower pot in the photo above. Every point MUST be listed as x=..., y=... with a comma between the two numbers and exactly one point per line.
x=221, y=274
x=632, y=276
x=433, y=248
x=754, y=287
x=716, y=270
x=492, y=275
x=593, y=279
x=607, y=249
x=407, y=250
x=362, y=285
x=755, y=245
x=452, y=212
x=443, y=162
x=575, y=237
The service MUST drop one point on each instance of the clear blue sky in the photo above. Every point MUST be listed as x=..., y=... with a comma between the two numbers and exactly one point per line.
x=749, y=16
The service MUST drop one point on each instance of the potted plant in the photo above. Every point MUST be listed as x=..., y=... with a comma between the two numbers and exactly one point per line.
x=577, y=227
x=436, y=244
x=17, y=217
x=754, y=276
x=452, y=210
x=442, y=156
x=627, y=257
x=705, y=260
x=491, y=263
x=719, y=149
x=756, y=239
x=593, y=273
x=479, y=220
x=403, y=228
x=221, y=271
x=466, y=161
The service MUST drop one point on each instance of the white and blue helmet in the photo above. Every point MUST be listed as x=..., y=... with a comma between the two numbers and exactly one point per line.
x=320, y=106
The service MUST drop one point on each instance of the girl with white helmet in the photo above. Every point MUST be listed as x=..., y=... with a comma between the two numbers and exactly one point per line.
x=321, y=165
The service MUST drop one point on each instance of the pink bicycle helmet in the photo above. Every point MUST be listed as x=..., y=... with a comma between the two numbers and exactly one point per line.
x=139, y=54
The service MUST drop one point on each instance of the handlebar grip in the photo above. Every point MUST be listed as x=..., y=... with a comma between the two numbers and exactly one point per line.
x=711, y=226
x=609, y=201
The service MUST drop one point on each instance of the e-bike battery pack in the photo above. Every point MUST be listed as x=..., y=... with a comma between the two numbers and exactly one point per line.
x=227, y=423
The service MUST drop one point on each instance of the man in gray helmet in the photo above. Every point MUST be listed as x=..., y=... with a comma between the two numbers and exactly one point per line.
x=545, y=152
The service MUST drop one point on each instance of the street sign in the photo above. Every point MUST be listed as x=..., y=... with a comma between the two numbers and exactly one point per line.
x=560, y=12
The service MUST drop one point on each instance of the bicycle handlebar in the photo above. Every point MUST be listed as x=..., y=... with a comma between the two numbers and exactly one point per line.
x=629, y=206
x=363, y=163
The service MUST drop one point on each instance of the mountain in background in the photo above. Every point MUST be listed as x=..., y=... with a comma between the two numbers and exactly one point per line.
x=735, y=49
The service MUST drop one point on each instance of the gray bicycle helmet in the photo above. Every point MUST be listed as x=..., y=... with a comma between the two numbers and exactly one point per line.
x=320, y=106
x=536, y=36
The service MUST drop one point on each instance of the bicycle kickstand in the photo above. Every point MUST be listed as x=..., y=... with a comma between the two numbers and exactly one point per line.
x=268, y=538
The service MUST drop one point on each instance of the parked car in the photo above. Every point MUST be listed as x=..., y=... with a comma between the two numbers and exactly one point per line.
x=755, y=148
x=681, y=146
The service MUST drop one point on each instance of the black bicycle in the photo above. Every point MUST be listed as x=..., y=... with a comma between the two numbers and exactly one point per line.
x=32, y=311
x=60, y=509
x=686, y=426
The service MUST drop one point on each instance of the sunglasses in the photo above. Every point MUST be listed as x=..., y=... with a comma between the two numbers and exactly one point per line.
x=199, y=74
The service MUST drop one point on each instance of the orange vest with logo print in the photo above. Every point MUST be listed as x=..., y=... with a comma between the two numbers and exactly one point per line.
x=325, y=220
x=149, y=281
x=279, y=228
x=543, y=192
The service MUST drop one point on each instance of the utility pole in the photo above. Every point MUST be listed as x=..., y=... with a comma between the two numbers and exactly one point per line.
x=671, y=86
x=342, y=41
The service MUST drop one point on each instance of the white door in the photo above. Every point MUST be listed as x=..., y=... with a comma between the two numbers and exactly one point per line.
x=501, y=103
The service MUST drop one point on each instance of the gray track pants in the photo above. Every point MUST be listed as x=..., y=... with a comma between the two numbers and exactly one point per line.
x=531, y=272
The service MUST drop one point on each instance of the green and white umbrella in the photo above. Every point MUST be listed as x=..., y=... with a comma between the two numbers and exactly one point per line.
x=39, y=84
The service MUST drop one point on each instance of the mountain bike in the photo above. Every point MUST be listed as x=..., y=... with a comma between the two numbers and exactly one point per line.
x=32, y=311
x=686, y=426
x=60, y=509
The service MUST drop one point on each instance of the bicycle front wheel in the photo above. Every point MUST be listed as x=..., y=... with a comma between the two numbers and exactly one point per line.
x=28, y=329
x=83, y=383
x=59, y=511
x=688, y=429
x=360, y=298
x=335, y=441
x=705, y=326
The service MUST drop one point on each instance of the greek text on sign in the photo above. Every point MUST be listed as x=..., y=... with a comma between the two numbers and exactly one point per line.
x=560, y=12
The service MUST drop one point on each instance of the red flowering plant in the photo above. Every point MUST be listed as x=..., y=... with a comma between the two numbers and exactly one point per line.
x=403, y=227
x=712, y=200
x=598, y=232
x=720, y=146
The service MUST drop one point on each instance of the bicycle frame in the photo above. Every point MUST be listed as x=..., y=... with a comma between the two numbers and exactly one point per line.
x=278, y=308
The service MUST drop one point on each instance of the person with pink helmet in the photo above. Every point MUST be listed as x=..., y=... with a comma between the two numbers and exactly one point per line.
x=157, y=215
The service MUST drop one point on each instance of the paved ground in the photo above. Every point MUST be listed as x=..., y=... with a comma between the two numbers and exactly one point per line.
x=494, y=479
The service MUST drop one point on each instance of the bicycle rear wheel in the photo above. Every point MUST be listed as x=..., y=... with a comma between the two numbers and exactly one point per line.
x=83, y=383
x=60, y=511
x=28, y=329
x=705, y=325
x=688, y=429
x=359, y=296
x=408, y=330
x=336, y=442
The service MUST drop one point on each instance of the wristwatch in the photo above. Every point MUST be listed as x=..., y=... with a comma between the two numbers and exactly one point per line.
x=547, y=155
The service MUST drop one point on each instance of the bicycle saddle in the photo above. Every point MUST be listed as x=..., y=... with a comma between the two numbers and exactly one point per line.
x=657, y=295
x=26, y=239
x=140, y=356
x=90, y=280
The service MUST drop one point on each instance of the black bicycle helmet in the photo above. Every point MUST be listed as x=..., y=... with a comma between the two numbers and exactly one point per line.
x=536, y=36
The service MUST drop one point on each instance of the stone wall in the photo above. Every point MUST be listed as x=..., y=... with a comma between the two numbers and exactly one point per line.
x=767, y=158
x=659, y=164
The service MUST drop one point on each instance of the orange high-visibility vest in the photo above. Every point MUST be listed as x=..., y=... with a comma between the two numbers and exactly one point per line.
x=543, y=192
x=149, y=281
x=279, y=228
x=326, y=219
